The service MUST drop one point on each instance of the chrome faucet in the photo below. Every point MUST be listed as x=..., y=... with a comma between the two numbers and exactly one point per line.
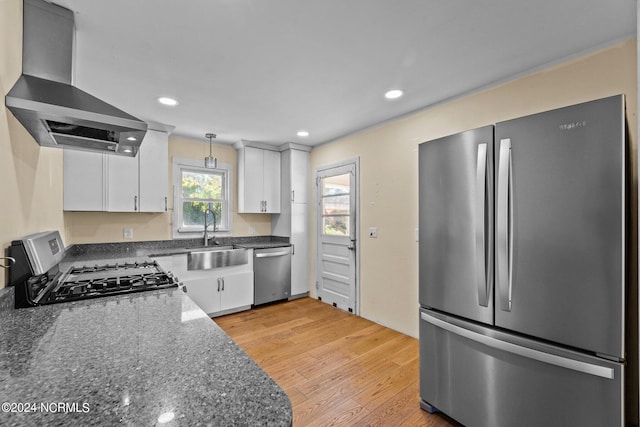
x=206, y=227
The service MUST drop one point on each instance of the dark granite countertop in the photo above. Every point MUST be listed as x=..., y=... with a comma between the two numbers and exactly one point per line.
x=129, y=360
x=265, y=245
x=123, y=250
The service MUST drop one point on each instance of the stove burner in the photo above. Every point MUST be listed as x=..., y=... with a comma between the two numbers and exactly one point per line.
x=109, y=279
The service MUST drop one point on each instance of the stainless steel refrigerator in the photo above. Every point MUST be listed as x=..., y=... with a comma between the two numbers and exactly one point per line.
x=522, y=270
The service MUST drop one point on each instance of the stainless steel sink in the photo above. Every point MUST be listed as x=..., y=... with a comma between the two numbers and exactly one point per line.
x=209, y=248
x=207, y=258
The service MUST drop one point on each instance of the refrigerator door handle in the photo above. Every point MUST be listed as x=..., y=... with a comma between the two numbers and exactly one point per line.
x=480, y=226
x=504, y=234
x=530, y=353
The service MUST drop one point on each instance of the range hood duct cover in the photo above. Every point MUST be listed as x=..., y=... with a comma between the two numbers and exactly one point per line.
x=56, y=113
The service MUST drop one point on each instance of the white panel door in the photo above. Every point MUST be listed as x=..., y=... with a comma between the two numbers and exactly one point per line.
x=336, y=236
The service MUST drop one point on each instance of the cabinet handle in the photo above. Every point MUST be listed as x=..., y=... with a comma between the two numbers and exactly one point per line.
x=218, y=284
x=165, y=204
x=135, y=203
x=293, y=195
x=293, y=249
x=265, y=205
x=222, y=278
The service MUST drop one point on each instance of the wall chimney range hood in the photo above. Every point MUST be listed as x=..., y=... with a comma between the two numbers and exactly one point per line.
x=56, y=113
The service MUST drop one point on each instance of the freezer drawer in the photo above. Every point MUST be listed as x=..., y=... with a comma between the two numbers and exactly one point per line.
x=483, y=377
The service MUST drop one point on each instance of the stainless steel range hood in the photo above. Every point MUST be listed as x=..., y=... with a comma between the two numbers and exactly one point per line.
x=56, y=113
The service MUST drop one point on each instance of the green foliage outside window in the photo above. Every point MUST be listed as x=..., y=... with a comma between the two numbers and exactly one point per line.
x=199, y=192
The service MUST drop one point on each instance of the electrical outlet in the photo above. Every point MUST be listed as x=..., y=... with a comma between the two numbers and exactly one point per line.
x=128, y=233
x=417, y=234
x=252, y=230
x=373, y=232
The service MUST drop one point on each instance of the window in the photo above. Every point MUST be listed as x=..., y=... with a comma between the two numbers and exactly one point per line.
x=336, y=205
x=197, y=189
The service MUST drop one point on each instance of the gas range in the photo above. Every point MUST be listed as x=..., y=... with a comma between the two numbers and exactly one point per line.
x=38, y=279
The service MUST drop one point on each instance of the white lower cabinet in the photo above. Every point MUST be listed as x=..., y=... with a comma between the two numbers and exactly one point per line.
x=216, y=291
x=236, y=291
x=203, y=292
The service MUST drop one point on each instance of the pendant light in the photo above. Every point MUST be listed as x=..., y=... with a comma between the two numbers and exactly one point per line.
x=210, y=162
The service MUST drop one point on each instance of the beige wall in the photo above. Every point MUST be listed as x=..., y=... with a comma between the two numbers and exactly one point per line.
x=389, y=167
x=30, y=178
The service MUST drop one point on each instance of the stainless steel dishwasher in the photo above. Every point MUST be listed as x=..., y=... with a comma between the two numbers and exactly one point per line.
x=272, y=274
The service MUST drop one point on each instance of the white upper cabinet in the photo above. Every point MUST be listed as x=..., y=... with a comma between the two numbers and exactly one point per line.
x=106, y=182
x=122, y=183
x=84, y=181
x=258, y=180
x=299, y=173
x=154, y=172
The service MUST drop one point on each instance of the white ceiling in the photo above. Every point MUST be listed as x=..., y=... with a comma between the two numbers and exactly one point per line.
x=261, y=70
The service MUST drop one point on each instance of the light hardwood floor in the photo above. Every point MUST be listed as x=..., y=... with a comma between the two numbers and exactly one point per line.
x=337, y=369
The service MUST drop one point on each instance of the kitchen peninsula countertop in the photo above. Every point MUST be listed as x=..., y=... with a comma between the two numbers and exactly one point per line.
x=131, y=360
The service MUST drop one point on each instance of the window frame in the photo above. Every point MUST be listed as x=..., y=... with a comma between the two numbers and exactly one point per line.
x=192, y=165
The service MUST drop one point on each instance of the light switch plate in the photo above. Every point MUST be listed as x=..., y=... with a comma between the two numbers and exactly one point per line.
x=128, y=233
x=373, y=232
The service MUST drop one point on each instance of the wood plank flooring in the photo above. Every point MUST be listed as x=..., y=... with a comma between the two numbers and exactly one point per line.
x=336, y=368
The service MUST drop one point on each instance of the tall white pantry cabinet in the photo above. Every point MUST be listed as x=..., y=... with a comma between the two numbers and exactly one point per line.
x=293, y=220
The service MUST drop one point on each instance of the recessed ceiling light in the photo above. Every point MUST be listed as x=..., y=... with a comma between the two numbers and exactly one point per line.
x=131, y=138
x=303, y=133
x=393, y=94
x=167, y=101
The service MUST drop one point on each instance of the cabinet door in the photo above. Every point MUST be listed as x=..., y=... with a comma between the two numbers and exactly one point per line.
x=154, y=172
x=271, y=181
x=253, y=180
x=84, y=178
x=238, y=290
x=204, y=292
x=122, y=187
x=299, y=170
x=300, y=256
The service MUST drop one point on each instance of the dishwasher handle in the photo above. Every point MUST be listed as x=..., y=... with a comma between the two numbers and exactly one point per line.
x=272, y=254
